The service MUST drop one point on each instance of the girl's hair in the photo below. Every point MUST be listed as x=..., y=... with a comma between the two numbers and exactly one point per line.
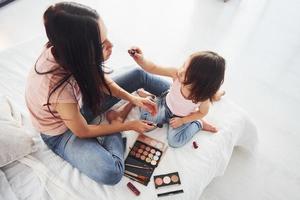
x=204, y=75
x=74, y=36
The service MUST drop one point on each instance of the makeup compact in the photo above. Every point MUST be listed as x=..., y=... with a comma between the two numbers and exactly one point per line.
x=169, y=179
x=166, y=179
x=143, y=158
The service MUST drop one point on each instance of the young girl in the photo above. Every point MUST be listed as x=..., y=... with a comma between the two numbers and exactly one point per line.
x=195, y=85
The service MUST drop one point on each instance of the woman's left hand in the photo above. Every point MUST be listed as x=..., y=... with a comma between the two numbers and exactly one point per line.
x=176, y=122
x=145, y=103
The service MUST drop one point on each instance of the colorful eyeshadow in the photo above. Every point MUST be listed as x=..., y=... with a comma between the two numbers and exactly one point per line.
x=140, y=150
x=155, y=157
x=134, y=148
x=158, y=181
x=150, y=155
x=153, y=162
x=167, y=180
x=174, y=178
x=143, y=158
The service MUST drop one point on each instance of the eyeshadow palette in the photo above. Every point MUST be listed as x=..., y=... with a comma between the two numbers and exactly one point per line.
x=145, y=153
x=166, y=179
x=143, y=158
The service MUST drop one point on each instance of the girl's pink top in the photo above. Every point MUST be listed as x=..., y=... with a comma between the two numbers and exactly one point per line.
x=37, y=91
x=177, y=103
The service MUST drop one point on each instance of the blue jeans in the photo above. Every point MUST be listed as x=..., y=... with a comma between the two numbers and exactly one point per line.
x=102, y=158
x=177, y=137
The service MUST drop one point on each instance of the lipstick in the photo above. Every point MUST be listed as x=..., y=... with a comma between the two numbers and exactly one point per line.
x=133, y=189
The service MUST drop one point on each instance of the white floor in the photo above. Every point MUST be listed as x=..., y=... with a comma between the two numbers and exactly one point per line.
x=260, y=40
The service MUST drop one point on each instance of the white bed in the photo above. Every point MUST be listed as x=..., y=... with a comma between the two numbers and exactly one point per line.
x=197, y=168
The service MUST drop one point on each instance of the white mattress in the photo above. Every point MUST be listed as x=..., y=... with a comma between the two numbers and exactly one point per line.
x=196, y=168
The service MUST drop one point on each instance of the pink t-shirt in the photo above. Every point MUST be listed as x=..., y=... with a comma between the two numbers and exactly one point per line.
x=37, y=91
x=177, y=103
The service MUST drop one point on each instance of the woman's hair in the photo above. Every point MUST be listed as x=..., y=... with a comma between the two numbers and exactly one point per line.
x=74, y=36
x=204, y=75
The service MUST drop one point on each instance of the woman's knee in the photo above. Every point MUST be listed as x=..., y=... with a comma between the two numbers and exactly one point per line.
x=109, y=176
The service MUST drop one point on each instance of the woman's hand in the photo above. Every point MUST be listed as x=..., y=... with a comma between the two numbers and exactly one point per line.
x=176, y=122
x=145, y=103
x=140, y=126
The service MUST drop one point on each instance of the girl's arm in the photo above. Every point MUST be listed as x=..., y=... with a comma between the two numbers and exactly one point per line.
x=202, y=112
x=70, y=114
x=137, y=54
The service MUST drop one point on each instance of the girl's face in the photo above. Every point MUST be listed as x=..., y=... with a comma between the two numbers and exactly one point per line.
x=106, y=44
x=182, y=70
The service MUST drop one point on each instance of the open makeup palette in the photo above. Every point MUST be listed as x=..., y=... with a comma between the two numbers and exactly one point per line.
x=143, y=158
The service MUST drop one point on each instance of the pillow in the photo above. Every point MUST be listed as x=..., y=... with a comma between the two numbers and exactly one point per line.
x=15, y=143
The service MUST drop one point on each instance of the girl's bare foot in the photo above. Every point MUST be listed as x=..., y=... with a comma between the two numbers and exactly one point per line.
x=208, y=126
x=218, y=95
x=143, y=93
x=120, y=114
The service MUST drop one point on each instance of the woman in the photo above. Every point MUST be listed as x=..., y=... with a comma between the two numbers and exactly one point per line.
x=67, y=88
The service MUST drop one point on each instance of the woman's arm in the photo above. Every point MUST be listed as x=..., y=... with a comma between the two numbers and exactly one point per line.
x=120, y=93
x=149, y=66
x=202, y=112
x=70, y=114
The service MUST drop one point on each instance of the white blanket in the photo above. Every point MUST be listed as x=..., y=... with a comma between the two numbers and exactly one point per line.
x=196, y=167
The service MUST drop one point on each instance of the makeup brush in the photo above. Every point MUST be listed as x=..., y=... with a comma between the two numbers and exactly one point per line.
x=139, y=167
x=143, y=178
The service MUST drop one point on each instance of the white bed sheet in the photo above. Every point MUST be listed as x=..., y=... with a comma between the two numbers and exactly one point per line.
x=196, y=167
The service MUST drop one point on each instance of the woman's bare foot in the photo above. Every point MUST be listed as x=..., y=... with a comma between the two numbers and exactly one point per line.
x=120, y=114
x=218, y=95
x=208, y=126
x=143, y=93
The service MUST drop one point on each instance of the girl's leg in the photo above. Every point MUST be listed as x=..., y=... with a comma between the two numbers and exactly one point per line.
x=177, y=137
x=160, y=117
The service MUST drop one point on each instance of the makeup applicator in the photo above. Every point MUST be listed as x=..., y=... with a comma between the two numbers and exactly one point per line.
x=131, y=52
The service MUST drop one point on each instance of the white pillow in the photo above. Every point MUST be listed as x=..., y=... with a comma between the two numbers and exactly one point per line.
x=15, y=143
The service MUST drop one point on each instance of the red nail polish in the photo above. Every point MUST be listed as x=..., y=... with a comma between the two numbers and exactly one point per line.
x=195, y=145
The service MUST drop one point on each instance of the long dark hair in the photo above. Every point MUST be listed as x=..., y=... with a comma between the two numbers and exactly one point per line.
x=74, y=37
x=204, y=75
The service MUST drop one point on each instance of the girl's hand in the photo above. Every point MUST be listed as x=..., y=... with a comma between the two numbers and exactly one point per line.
x=145, y=103
x=140, y=126
x=176, y=122
x=137, y=54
